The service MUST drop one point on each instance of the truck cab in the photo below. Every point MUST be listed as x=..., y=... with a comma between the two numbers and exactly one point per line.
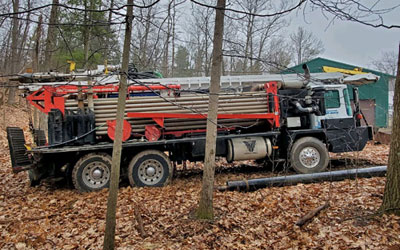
x=319, y=120
x=342, y=120
x=337, y=104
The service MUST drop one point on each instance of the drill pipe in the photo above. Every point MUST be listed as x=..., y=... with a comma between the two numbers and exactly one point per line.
x=149, y=99
x=250, y=103
x=157, y=107
x=73, y=103
x=231, y=110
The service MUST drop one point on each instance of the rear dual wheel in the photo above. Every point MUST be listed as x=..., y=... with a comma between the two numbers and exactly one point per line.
x=92, y=172
x=150, y=168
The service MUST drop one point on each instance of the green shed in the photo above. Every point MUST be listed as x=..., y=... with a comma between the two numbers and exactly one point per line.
x=374, y=98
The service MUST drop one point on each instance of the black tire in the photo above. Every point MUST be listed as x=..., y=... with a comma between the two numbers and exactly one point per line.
x=150, y=168
x=92, y=172
x=309, y=155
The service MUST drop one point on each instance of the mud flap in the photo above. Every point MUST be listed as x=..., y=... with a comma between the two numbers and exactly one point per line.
x=16, y=143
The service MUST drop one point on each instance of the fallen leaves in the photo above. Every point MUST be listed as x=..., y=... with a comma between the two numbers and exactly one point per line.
x=264, y=219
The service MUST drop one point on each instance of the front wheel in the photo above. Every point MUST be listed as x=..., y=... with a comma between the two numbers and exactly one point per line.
x=150, y=168
x=309, y=155
x=92, y=172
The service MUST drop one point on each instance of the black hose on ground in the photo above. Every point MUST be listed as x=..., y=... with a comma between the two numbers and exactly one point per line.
x=339, y=175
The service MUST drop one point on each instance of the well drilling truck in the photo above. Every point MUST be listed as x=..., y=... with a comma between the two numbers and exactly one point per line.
x=293, y=118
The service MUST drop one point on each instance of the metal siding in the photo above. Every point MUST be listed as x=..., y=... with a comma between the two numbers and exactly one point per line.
x=368, y=109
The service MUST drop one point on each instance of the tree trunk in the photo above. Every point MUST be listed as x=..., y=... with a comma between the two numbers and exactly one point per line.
x=117, y=147
x=43, y=122
x=299, y=58
x=6, y=49
x=251, y=47
x=206, y=45
x=14, y=38
x=35, y=62
x=249, y=34
x=173, y=42
x=164, y=67
x=391, y=197
x=205, y=209
x=35, y=117
x=147, y=25
x=14, y=50
x=51, y=36
x=24, y=39
x=107, y=50
x=87, y=32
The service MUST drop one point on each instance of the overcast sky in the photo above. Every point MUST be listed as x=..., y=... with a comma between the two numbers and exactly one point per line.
x=351, y=42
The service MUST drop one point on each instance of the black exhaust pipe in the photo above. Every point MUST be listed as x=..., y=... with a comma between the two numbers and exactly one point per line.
x=306, y=72
x=339, y=175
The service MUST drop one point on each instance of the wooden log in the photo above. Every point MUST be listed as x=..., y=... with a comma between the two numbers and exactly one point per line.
x=306, y=218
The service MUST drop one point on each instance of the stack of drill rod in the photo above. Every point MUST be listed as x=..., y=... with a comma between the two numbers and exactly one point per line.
x=244, y=103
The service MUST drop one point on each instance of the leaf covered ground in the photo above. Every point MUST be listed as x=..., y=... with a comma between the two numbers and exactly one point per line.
x=60, y=218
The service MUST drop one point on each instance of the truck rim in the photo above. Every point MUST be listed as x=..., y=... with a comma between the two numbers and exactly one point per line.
x=150, y=171
x=95, y=174
x=309, y=157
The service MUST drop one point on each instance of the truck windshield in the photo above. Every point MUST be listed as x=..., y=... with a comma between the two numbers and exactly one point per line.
x=332, y=99
x=347, y=102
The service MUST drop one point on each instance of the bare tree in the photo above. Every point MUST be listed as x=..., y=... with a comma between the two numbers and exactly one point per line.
x=367, y=13
x=14, y=38
x=51, y=36
x=305, y=45
x=117, y=146
x=174, y=21
x=205, y=209
x=252, y=34
x=5, y=51
x=386, y=63
x=148, y=43
x=391, y=197
x=87, y=29
x=22, y=44
x=200, y=38
x=110, y=16
x=14, y=49
x=38, y=35
x=169, y=18
x=277, y=57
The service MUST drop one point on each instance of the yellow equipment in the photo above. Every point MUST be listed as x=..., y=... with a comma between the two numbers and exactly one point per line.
x=355, y=71
x=106, y=68
x=72, y=65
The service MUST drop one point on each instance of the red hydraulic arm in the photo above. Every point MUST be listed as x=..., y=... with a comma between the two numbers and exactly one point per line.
x=271, y=88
